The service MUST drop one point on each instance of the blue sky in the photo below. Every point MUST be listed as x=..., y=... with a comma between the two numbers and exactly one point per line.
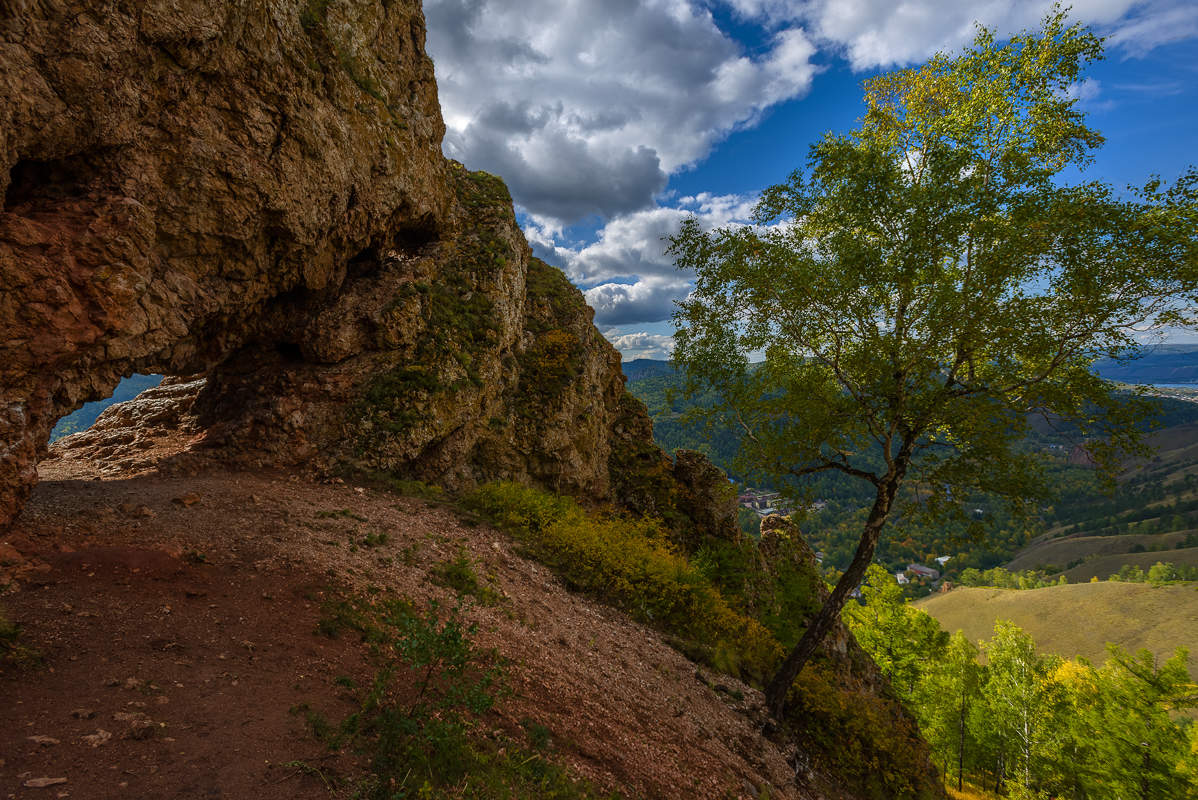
x=612, y=120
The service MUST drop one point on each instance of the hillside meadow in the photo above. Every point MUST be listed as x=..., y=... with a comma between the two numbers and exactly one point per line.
x=1078, y=619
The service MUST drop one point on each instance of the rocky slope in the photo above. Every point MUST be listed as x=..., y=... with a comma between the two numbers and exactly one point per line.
x=180, y=612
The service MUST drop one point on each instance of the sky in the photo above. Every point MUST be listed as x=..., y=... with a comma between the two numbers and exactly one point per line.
x=613, y=120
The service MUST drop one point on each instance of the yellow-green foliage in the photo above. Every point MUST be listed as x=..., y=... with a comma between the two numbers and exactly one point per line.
x=631, y=564
x=869, y=744
x=554, y=358
x=867, y=741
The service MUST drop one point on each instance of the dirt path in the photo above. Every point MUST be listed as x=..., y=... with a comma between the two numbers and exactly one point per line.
x=177, y=614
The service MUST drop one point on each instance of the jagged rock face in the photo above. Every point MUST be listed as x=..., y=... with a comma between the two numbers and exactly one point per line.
x=172, y=172
x=461, y=362
x=255, y=191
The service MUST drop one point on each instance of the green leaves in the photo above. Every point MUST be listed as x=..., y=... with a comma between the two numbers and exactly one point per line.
x=929, y=285
x=928, y=282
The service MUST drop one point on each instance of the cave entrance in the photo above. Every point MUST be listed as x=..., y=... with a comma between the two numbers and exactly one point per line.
x=83, y=418
x=104, y=440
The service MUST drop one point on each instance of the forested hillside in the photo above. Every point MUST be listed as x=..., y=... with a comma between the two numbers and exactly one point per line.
x=1084, y=532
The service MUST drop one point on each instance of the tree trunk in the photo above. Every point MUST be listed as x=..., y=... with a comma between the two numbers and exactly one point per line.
x=775, y=692
x=961, y=740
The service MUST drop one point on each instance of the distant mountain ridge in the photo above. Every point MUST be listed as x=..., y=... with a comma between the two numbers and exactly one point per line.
x=1165, y=363
x=641, y=368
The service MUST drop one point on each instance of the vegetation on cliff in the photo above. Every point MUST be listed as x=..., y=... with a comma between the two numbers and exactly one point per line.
x=733, y=605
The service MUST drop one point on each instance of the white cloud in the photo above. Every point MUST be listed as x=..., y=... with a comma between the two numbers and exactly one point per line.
x=586, y=107
x=643, y=345
x=1162, y=25
x=629, y=276
x=884, y=33
x=649, y=299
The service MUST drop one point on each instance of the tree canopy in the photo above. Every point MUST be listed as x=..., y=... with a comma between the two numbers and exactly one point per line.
x=930, y=282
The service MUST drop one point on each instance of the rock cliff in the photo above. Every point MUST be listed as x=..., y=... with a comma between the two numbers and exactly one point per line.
x=256, y=192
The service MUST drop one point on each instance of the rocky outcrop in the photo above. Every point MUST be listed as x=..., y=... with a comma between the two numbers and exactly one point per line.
x=132, y=437
x=255, y=192
x=175, y=174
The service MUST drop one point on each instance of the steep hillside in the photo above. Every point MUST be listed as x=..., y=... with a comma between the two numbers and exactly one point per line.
x=1078, y=619
x=201, y=616
x=144, y=568
x=1153, y=516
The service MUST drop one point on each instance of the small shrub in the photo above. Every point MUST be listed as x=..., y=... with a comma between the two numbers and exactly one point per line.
x=11, y=649
x=539, y=736
x=376, y=539
x=343, y=513
x=417, y=719
x=458, y=574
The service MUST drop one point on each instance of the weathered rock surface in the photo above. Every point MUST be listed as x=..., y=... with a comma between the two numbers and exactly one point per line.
x=256, y=192
x=173, y=172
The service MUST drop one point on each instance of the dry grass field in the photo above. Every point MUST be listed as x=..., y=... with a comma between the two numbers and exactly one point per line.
x=1103, y=567
x=1064, y=551
x=1078, y=619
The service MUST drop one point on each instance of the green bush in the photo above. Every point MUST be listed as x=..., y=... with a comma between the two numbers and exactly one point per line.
x=631, y=564
x=418, y=719
x=11, y=649
x=458, y=574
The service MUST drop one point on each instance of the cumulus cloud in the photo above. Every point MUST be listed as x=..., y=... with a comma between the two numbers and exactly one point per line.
x=643, y=345
x=625, y=272
x=586, y=107
x=649, y=299
x=884, y=33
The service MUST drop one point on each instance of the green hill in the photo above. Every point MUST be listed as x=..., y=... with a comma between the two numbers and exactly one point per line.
x=1078, y=619
x=1153, y=516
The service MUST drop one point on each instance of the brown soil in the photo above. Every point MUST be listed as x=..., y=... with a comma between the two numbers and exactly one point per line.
x=178, y=613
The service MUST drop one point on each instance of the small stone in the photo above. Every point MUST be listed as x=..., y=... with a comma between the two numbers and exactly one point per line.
x=141, y=729
x=10, y=556
x=44, y=741
x=189, y=499
x=41, y=783
x=84, y=713
x=98, y=738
